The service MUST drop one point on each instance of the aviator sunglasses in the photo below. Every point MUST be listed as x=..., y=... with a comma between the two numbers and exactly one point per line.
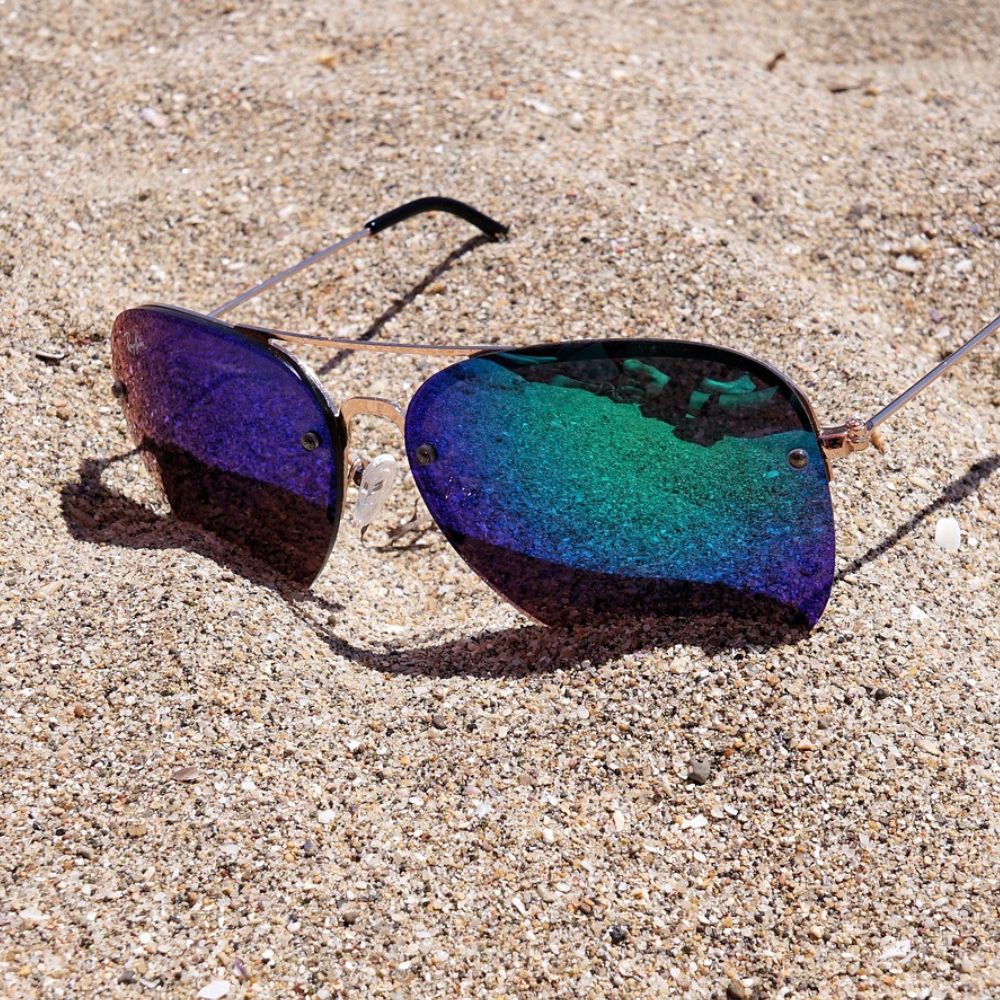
x=582, y=481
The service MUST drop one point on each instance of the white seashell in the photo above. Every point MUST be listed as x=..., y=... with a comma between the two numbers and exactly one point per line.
x=895, y=948
x=694, y=823
x=216, y=990
x=948, y=534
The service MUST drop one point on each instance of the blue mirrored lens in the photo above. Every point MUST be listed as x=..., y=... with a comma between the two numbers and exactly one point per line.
x=241, y=443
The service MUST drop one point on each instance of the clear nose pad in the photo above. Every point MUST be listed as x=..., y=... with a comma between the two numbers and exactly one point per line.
x=377, y=480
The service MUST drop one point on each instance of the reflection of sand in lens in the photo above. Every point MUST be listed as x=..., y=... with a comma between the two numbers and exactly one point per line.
x=550, y=476
x=559, y=594
x=275, y=524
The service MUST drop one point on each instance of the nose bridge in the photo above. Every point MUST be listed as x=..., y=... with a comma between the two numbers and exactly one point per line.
x=373, y=406
x=354, y=471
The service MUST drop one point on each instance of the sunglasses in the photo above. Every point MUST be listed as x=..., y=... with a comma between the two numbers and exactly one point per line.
x=583, y=481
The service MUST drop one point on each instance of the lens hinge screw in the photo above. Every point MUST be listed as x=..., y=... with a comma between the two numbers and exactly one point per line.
x=426, y=454
x=798, y=458
x=119, y=390
x=310, y=441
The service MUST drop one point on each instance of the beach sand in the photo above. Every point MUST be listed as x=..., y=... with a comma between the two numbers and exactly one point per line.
x=397, y=785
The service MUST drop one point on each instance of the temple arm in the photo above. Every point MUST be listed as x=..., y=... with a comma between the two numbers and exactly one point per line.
x=373, y=227
x=856, y=435
x=903, y=398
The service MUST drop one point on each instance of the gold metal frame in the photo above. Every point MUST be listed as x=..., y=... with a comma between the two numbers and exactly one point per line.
x=845, y=439
x=375, y=346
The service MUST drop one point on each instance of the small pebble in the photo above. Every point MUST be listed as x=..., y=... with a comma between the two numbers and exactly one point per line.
x=309, y=849
x=439, y=721
x=617, y=934
x=772, y=63
x=694, y=823
x=735, y=990
x=894, y=949
x=699, y=770
x=907, y=264
x=32, y=916
x=918, y=246
x=153, y=118
x=540, y=106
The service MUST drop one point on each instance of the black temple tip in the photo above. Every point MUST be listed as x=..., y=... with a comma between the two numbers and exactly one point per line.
x=495, y=230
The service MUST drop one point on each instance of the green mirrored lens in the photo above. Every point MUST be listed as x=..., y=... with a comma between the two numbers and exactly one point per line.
x=628, y=478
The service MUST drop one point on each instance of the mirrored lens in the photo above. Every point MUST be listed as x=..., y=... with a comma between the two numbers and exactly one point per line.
x=628, y=478
x=239, y=440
